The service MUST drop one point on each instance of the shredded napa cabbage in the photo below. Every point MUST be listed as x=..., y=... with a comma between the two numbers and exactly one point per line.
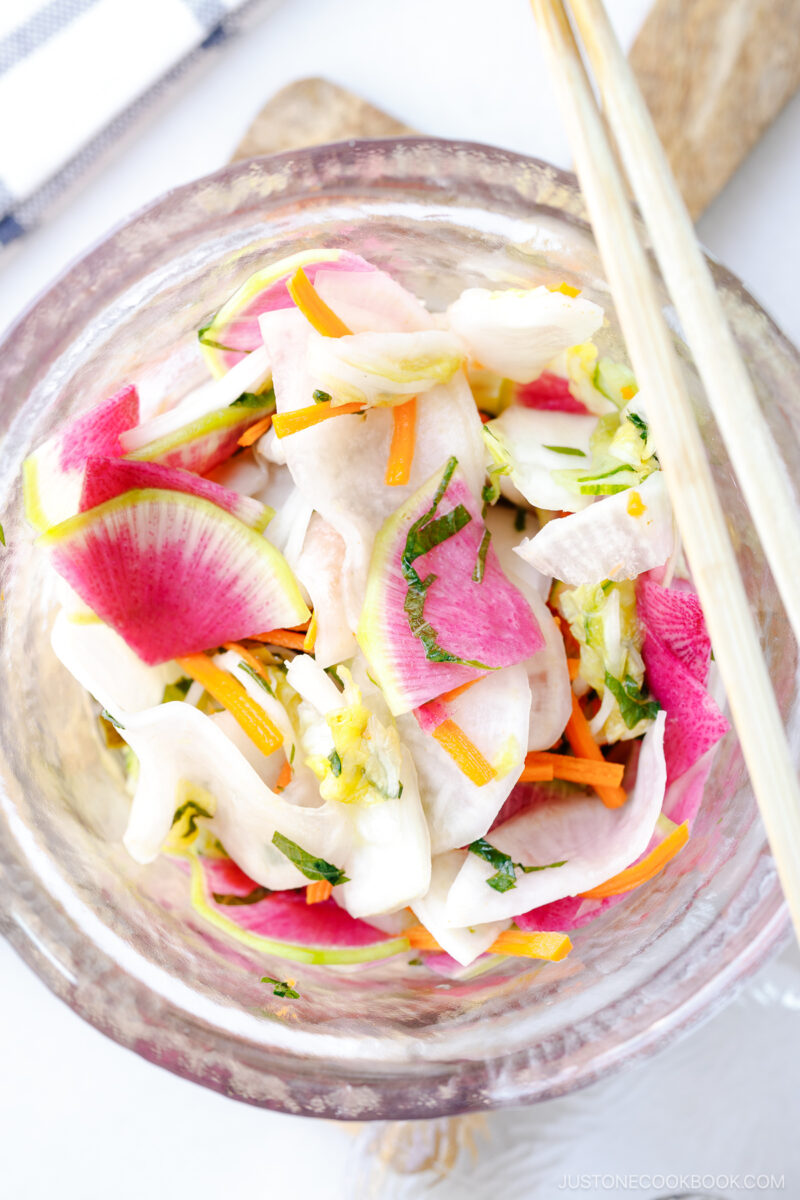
x=578, y=364
x=383, y=368
x=622, y=456
x=602, y=618
x=355, y=757
x=492, y=393
x=526, y=447
x=516, y=332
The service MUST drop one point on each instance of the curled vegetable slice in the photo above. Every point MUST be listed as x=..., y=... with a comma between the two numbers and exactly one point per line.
x=645, y=870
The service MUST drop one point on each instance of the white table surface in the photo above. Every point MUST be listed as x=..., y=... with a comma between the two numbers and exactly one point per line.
x=86, y=1120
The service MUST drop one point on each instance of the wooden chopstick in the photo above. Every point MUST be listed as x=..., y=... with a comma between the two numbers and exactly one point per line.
x=682, y=455
x=755, y=457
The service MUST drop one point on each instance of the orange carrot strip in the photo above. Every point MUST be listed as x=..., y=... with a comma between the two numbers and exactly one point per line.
x=464, y=753
x=571, y=643
x=446, y=697
x=231, y=695
x=255, y=431
x=314, y=308
x=640, y=872
x=288, y=423
x=629, y=391
x=401, y=450
x=318, y=891
x=281, y=637
x=284, y=776
x=420, y=939
x=573, y=666
x=310, y=640
x=254, y=663
x=579, y=736
x=577, y=770
x=552, y=946
x=536, y=774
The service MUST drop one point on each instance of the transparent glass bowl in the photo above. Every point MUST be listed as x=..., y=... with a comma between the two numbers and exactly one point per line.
x=120, y=943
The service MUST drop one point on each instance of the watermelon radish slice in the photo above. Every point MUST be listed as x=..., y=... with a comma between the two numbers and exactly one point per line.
x=174, y=574
x=685, y=793
x=106, y=478
x=282, y=924
x=234, y=331
x=593, y=842
x=694, y=722
x=204, y=443
x=675, y=616
x=676, y=654
x=463, y=627
x=549, y=391
x=52, y=475
x=559, y=916
x=250, y=377
x=681, y=803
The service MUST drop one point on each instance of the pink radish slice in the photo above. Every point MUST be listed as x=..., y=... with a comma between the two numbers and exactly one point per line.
x=558, y=916
x=675, y=616
x=204, y=443
x=99, y=429
x=685, y=794
x=105, y=478
x=549, y=391
x=234, y=330
x=431, y=715
x=488, y=622
x=590, y=842
x=681, y=803
x=285, y=915
x=694, y=722
x=676, y=655
x=52, y=475
x=524, y=796
x=174, y=574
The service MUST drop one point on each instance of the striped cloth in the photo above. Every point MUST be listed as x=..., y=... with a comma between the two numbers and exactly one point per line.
x=75, y=75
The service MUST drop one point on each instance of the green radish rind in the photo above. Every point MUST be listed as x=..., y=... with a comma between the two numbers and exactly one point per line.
x=212, y=335
x=176, y=449
x=31, y=495
x=327, y=955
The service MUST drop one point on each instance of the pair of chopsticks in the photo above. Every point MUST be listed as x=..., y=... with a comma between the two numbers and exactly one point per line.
x=762, y=474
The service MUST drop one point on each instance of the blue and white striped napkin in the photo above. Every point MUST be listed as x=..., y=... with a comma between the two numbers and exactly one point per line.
x=75, y=74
